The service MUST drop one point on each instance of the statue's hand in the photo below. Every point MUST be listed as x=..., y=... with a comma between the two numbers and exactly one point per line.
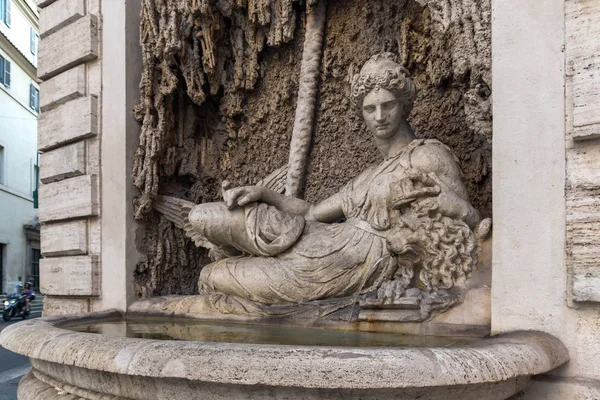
x=242, y=195
x=447, y=202
x=416, y=186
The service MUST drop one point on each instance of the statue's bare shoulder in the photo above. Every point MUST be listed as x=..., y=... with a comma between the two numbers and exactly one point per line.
x=437, y=158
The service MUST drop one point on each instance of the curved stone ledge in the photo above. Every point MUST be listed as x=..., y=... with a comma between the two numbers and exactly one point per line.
x=124, y=367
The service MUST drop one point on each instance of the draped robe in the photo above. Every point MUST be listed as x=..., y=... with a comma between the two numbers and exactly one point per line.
x=290, y=260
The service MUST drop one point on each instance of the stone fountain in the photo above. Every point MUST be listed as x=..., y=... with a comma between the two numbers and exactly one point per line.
x=380, y=290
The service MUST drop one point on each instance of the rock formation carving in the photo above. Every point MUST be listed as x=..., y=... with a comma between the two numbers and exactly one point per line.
x=197, y=38
x=403, y=230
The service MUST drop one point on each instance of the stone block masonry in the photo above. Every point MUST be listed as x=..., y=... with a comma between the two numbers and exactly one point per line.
x=74, y=120
x=70, y=198
x=583, y=67
x=69, y=136
x=65, y=239
x=64, y=162
x=72, y=45
x=583, y=148
x=69, y=276
x=63, y=87
x=60, y=14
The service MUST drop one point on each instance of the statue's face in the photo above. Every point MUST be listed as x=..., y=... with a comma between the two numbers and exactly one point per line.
x=382, y=113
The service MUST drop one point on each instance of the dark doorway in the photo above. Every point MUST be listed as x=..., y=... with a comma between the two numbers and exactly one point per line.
x=1, y=269
x=35, y=268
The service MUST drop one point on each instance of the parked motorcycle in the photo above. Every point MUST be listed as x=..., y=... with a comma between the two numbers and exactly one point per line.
x=14, y=305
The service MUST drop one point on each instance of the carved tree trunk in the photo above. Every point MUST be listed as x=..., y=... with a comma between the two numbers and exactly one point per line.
x=310, y=72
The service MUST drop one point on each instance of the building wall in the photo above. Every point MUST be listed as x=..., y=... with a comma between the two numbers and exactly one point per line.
x=23, y=18
x=18, y=137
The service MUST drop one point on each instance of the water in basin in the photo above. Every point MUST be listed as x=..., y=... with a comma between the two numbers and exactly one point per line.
x=202, y=331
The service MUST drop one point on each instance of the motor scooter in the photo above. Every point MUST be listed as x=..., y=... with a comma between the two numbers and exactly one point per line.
x=14, y=305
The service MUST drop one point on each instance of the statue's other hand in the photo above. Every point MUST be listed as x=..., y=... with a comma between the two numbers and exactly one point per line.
x=242, y=195
x=390, y=292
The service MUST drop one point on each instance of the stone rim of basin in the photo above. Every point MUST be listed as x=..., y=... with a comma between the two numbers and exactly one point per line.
x=496, y=359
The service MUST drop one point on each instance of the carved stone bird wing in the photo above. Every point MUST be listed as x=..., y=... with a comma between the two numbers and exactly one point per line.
x=177, y=211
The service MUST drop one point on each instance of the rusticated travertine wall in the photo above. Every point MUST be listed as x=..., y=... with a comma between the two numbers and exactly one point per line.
x=87, y=136
x=583, y=148
x=69, y=139
x=239, y=128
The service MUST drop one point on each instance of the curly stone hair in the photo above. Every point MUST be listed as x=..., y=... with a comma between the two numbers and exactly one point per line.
x=440, y=251
x=382, y=71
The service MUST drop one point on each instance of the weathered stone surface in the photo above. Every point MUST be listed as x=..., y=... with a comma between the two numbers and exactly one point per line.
x=552, y=387
x=586, y=132
x=582, y=24
x=71, y=198
x=69, y=276
x=72, y=121
x=586, y=286
x=64, y=306
x=94, y=6
x=583, y=218
x=583, y=228
x=92, y=154
x=81, y=40
x=95, y=235
x=62, y=88
x=586, y=91
x=491, y=369
x=583, y=66
x=63, y=162
x=59, y=14
x=94, y=77
x=64, y=239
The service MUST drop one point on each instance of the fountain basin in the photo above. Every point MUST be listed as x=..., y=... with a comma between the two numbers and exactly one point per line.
x=94, y=366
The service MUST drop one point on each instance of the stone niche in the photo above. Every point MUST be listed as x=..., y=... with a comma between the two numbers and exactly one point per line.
x=227, y=112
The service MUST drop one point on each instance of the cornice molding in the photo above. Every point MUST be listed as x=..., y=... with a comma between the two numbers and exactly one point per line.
x=9, y=48
x=31, y=15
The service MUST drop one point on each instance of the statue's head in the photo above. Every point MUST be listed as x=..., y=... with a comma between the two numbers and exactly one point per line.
x=381, y=81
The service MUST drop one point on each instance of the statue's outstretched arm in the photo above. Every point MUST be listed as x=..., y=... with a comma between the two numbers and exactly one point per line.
x=329, y=210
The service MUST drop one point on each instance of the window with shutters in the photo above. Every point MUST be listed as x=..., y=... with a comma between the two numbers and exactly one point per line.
x=4, y=71
x=34, y=38
x=5, y=6
x=1, y=167
x=34, y=98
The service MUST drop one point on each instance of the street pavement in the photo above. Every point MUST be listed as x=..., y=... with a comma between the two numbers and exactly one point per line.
x=12, y=368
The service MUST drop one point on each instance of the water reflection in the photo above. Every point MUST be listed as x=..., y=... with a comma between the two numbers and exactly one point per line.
x=201, y=331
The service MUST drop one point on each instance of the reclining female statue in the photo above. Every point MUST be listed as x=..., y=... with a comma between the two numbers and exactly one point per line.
x=411, y=206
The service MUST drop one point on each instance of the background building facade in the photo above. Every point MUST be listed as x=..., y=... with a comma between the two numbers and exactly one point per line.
x=19, y=108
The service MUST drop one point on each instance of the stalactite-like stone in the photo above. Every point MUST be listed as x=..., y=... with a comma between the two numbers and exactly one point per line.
x=196, y=40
